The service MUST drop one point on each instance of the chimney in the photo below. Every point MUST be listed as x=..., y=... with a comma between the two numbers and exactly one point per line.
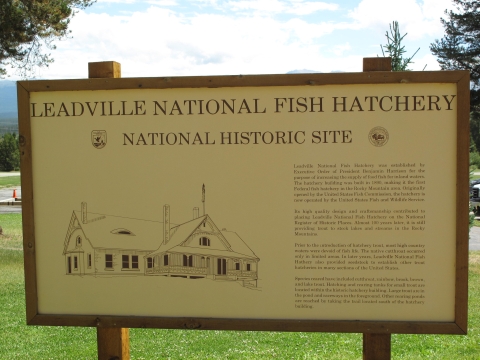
x=84, y=213
x=196, y=212
x=166, y=224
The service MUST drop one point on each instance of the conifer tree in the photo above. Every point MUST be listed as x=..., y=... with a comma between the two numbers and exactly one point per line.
x=28, y=27
x=459, y=49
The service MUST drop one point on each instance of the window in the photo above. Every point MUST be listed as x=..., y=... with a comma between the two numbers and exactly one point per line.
x=75, y=262
x=89, y=260
x=188, y=260
x=249, y=267
x=237, y=266
x=125, y=262
x=165, y=260
x=122, y=232
x=204, y=241
x=149, y=263
x=130, y=262
x=79, y=241
x=134, y=261
x=109, y=261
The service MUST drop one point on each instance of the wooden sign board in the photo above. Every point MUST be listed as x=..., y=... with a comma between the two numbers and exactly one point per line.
x=312, y=202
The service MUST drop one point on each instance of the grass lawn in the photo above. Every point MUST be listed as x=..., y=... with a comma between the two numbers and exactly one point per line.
x=19, y=341
x=9, y=181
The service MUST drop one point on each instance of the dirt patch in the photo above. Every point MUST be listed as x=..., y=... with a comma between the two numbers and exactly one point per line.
x=474, y=258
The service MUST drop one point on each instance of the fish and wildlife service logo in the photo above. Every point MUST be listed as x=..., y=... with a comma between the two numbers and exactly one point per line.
x=378, y=136
x=99, y=139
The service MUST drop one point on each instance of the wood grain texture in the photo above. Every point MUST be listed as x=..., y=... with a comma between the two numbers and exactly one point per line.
x=104, y=69
x=463, y=141
x=191, y=323
x=377, y=64
x=375, y=77
x=377, y=346
x=113, y=344
x=28, y=224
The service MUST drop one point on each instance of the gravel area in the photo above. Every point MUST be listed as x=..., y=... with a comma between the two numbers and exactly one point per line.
x=474, y=243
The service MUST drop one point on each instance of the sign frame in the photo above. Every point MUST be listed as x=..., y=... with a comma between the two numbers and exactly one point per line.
x=458, y=326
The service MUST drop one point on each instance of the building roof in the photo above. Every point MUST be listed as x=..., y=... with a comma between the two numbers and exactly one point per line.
x=122, y=233
x=234, y=245
x=116, y=232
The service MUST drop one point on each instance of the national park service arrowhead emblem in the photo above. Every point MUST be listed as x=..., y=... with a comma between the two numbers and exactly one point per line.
x=99, y=139
x=378, y=136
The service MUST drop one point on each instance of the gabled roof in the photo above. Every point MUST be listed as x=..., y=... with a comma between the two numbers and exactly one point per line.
x=122, y=233
x=238, y=244
x=116, y=232
x=180, y=233
x=234, y=245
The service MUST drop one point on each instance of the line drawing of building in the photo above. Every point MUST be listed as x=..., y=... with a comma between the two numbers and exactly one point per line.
x=107, y=245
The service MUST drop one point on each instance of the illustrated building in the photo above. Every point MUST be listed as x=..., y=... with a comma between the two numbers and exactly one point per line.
x=98, y=244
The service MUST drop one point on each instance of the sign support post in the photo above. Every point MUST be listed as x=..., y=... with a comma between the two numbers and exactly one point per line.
x=112, y=343
x=377, y=346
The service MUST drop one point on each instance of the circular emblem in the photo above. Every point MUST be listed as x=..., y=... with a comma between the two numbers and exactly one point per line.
x=378, y=136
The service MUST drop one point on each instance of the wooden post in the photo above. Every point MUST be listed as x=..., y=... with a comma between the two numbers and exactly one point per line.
x=104, y=69
x=377, y=346
x=377, y=64
x=112, y=343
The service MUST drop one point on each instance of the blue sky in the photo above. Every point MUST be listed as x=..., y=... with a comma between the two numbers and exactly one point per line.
x=215, y=37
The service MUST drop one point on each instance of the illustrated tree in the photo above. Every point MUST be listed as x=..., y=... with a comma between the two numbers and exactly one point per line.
x=27, y=27
x=9, y=152
x=395, y=49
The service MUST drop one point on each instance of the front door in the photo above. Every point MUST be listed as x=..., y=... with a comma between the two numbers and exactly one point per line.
x=222, y=266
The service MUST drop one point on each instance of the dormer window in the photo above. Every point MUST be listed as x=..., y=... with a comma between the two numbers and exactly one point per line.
x=204, y=241
x=122, y=232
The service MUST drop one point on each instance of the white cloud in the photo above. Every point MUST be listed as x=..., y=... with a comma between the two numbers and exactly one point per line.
x=116, y=1
x=338, y=50
x=428, y=62
x=415, y=18
x=161, y=41
x=297, y=7
x=162, y=2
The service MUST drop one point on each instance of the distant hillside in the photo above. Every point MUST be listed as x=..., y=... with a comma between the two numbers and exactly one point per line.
x=303, y=71
x=8, y=107
x=8, y=98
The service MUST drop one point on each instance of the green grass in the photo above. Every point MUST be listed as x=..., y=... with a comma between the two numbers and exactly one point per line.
x=9, y=181
x=19, y=341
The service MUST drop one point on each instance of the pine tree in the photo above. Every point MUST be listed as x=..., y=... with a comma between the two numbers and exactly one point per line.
x=459, y=49
x=395, y=49
x=28, y=25
x=9, y=152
